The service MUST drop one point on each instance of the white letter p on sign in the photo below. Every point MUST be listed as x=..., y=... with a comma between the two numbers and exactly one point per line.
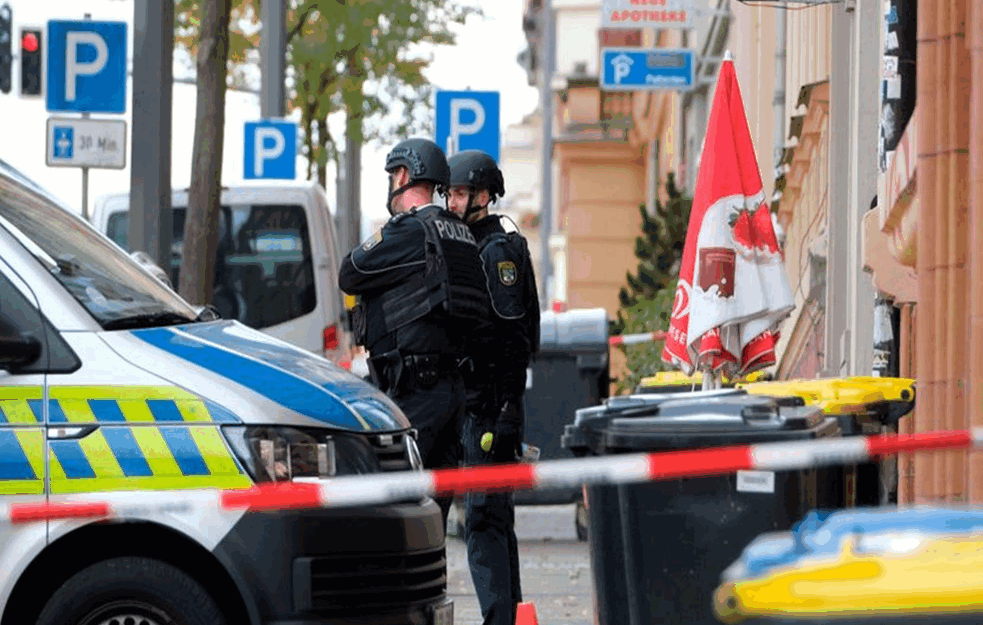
x=458, y=105
x=264, y=151
x=73, y=67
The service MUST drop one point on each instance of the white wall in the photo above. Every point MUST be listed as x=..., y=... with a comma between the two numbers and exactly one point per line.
x=576, y=36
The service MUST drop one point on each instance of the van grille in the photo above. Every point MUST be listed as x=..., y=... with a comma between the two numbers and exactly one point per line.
x=361, y=583
x=391, y=452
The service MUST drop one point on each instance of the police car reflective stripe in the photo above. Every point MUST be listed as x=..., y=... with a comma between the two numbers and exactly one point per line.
x=152, y=438
x=112, y=404
x=145, y=458
x=21, y=461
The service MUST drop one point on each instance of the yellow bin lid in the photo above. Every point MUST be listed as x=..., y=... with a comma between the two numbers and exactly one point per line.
x=841, y=395
x=678, y=378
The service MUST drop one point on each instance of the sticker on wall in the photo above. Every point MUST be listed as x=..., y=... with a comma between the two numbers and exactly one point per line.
x=892, y=88
x=890, y=66
x=891, y=41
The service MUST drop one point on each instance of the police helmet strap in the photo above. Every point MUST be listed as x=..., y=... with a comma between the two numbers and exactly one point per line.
x=394, y=193
x=470, y=208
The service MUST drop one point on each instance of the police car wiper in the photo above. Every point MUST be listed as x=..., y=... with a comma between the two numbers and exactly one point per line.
x=147, y=320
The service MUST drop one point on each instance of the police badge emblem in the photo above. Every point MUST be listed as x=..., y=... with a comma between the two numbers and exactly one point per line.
x=372, y=241
x=506, y=272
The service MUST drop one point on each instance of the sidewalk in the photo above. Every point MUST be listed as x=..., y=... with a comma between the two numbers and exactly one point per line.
x=555, y=569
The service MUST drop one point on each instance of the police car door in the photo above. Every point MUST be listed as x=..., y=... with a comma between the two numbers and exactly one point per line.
x=24, y=358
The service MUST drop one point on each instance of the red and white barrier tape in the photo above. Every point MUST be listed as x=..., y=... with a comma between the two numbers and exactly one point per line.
x=635, y=339
x=391, y=487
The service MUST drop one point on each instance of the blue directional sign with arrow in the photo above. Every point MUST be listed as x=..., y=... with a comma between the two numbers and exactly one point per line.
x=633, y=69
x=64, y=144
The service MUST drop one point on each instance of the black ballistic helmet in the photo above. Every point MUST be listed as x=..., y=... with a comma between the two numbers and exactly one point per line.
x=477, y=170
x=424, y=160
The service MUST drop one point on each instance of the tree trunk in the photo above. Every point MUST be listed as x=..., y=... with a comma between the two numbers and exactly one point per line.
x=201, y=222
x=322, y=156
x=307, y=123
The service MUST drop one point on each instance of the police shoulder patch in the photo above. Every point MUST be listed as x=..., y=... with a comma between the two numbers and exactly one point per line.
x=372, y=241
x=507, y=273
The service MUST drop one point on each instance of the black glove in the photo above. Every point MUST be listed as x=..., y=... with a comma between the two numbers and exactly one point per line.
x=506, y=444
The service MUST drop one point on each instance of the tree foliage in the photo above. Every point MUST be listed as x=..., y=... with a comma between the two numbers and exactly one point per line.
x=360, y=57
x=646, y=300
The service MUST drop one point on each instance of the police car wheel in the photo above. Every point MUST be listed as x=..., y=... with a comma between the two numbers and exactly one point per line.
x=131, y=591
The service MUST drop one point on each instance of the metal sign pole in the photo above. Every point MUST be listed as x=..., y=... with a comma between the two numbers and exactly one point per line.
x=85, y=193
x=85, y=177
x=272, y=58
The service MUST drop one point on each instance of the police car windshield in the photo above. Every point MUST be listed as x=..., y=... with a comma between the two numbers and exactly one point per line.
x=107, y=282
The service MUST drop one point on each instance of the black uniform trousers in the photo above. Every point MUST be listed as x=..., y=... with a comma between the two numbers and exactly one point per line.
x=489, y=531
x=436, y=412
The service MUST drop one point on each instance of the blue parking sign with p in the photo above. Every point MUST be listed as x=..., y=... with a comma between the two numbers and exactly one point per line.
x=270, y=150
x=86, y=66
x=468, y=120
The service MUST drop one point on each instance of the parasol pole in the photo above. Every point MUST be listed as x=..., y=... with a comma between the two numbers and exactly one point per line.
x=711, y=379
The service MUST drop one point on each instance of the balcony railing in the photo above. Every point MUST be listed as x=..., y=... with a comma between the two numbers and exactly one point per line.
x=611, y=122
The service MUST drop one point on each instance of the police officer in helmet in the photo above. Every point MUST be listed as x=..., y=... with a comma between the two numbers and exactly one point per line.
x=422, y=292
x=498, y=380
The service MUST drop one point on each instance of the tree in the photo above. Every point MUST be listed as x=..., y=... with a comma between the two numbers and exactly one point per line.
x=201, y=221
x=243, y=35
x=357, y=57
x=646, y=300
x=660, y=247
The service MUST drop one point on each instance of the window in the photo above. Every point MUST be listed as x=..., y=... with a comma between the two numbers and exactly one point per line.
x=108, y=283
x=264, y=273
x=19, y=315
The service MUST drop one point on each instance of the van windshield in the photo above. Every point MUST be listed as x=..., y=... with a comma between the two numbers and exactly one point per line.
x=115, y=290
x=264, y=271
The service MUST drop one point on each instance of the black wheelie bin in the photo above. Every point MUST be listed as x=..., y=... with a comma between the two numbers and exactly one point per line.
x=658, y=548
x=569, y=372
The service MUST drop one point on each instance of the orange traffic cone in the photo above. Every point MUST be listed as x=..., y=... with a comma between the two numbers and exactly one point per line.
x=525, y=614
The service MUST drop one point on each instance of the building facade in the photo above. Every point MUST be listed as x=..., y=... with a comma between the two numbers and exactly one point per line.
x=867, y=118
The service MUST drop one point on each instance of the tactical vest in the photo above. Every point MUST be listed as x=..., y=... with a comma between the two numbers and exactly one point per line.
x=453, y=282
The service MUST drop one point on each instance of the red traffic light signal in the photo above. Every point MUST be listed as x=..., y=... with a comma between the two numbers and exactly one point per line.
x=29, y=41
x=30, y=61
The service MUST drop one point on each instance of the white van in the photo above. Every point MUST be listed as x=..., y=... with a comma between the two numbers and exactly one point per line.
x=277, y=264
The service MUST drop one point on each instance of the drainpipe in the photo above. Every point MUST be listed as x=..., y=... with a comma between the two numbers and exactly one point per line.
x=932, y=244
x=974, y=28
x=547, y=44
x=779, y=102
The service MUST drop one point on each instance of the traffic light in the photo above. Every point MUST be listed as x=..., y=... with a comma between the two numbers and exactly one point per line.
x=5, y=57
x=30, y=61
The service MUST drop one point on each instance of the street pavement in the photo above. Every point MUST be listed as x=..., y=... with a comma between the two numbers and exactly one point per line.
x=555, y=569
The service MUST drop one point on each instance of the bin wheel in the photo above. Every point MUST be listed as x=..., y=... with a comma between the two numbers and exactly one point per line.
x=131, y=591
x=580, y=519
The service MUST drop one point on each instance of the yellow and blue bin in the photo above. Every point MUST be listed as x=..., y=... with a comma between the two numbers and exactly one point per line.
x=875, y=565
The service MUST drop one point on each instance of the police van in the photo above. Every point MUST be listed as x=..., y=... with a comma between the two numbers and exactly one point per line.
x=276, y=263
x=110, y=382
